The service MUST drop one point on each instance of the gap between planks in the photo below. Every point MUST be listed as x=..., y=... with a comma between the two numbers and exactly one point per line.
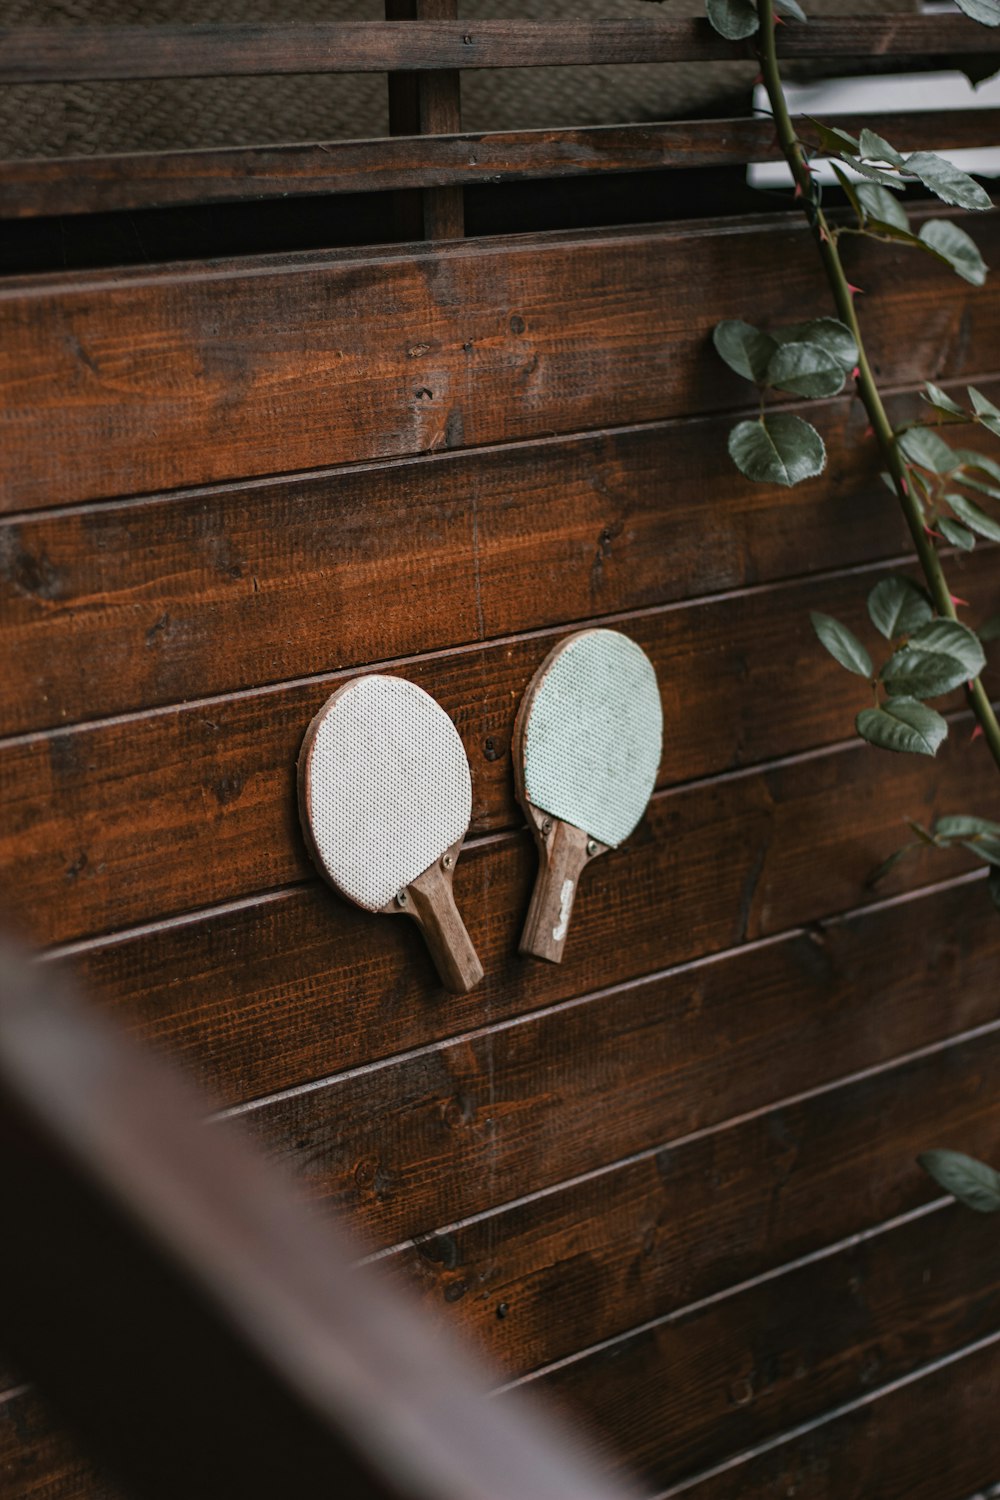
x=836, y=1412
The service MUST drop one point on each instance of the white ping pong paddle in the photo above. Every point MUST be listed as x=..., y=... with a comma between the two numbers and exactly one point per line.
x=586, y=750
x=385, y=798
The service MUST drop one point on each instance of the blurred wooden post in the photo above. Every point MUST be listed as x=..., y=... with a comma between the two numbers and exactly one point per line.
x=427, y=104
x=199, y=1327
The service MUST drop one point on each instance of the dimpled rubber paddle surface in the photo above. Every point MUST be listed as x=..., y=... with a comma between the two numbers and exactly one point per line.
x=594, y=735
x=387, y=787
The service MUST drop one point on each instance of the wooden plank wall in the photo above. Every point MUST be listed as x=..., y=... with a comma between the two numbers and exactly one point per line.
x=671, y=1183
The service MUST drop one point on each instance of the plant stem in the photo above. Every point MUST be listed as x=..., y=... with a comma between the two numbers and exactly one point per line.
x=843, y=296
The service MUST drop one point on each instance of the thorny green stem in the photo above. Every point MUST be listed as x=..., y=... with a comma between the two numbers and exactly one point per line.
x=826, y=239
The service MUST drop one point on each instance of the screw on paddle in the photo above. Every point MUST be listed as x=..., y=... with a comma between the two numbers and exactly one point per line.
x=586, y=750
x=385, y=798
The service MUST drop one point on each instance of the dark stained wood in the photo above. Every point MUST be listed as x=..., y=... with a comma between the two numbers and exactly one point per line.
x=678, y=1397
x=114, y=608
x=206, y=1334
x=272, y=994
x=89, y=184
x=341, y=988
x=930, y=1438
x=423, y=104
x=39, y=54
x=144, y=380
x=542, y=1278
x=131, y=819
x=38, y=1459
x=451, y=1131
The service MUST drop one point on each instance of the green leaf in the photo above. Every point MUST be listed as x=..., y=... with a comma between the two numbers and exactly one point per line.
x=980, y=462
x=991, y=630
x=986, y=12
x=976, y=519
x=903, y=724
x=805, y=370
x=940, y=656
x=921, y=445
x=744, y=348
x=876, y=148
x=834, y=140
x=989, y=416
x=780, y=449
x=951, y=638
x=842, y=644
x=874, y=174
x=791, y=8
x=849, y=188
x=971, y=482
x=985, y=848
x=941, y=401
x=829, y=333
x=950, y=185
x=972, y=1182
x=958, y=249
x=733, y=18
x=963, y=826
x=898, y=606
x=879, y=204
x=954, y=532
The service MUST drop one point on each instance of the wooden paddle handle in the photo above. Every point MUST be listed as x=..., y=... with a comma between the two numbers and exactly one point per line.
x=430, y=901
x=563, y=851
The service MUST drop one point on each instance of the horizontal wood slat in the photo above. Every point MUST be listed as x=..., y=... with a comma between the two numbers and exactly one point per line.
x=452, y=1131
x=268, y=996
x=117, y=608
x=122, y=607
x=91, y=184
x=752, y=855
x=123, y=821
x=141, y=381
x=933, y=1438
x=61, y=54
x=686, y=1394
x=540, y=1279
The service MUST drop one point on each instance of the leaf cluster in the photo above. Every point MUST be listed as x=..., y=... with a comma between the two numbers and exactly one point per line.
x=805, y=359
x=929, y=658
x=954, y=487
x=885, y=172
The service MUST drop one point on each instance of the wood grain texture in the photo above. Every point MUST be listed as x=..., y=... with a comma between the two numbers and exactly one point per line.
x=297, y=986
x=449, y=1132
x=45, y=54
x=933, y=1438
x=678, y=1397
x=113, y=608
x=148, y=380
x=133, y=819
x=537, y=1280
x=91, y=184
x=39, y=1461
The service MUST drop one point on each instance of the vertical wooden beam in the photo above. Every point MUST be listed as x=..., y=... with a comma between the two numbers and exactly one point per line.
x=427, y=104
